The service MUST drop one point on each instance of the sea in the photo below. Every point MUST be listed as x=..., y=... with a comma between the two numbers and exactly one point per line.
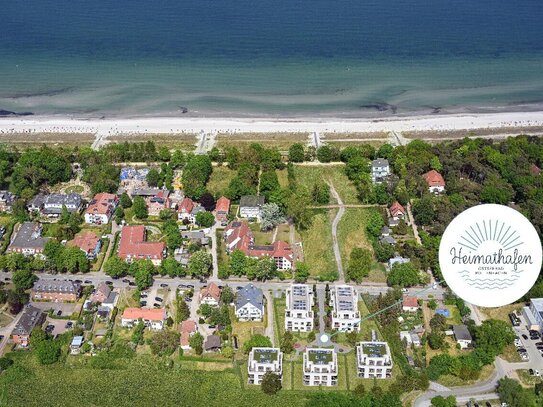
x=283, y=58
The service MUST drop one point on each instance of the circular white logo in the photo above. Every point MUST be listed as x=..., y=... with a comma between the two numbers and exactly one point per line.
x=490, y=255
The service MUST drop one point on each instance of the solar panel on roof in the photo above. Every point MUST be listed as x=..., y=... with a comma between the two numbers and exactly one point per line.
x=299, y=304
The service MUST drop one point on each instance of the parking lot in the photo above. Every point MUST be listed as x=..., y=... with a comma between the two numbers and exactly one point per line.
x=59, y=326
x=535, y=358
x=65, y=308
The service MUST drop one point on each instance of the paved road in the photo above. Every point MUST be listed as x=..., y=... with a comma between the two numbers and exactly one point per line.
x=6, y=332
x=214, y=255
x=339, y=215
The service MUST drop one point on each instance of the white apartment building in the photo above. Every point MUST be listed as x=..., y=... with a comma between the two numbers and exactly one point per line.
x=534, y=314
x=373, y=360
x=263, y=360
x=298, y=314
x=320, y=367
x=380, y=169
x=344, y=303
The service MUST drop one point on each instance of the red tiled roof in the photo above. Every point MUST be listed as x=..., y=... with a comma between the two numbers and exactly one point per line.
x=410, y=301
x=211, y=290
x=133, y=244
x=144, y=313
x=434, y=179
x=223, y=205
x=186, y=205
x=86, y=241
x=396, y=208
x=186, y=328
x=242, y=239
x=102, y=203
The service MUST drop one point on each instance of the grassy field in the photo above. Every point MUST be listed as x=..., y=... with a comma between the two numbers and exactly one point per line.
x=356, y=135
x=282, y=177
x=183, y=141
x=280, y=140
x=141, y=381
x=283, y=232
x=261, y=237
x=526, y=379
x=454, y=381
x=220, y=179
x=38, y=139
x=501, y=313
x=307, y=175
x=244, y=330
x=317, y=243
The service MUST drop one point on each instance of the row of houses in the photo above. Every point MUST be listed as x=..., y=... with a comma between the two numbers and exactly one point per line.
x=238, y=236
x=320, y=366
x=380, y=170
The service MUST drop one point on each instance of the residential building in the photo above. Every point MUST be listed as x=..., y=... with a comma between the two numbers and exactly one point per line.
x=28, y=240
x=411, y=338
x=111, y=301
x=195, y=236
x=238, y=236
x=345, y=314
x=380, y=170
x=75, y=346
x=210, y=295
x=6, y=201
x=435, y=181
x=55, y=290
x=249, y=304
x=158, y=202
x=101, y=293
x=250, y=207
x=187, y=328
x=410, y=304
x=385, y=231
x=298, y=313
x=88, y=243
x=397, y=211
x=144, y=191
x=213, y=343
x=152, y=318
x=133, y=246
x=222, y=210
x=188, y=209
x=30, y=318
x=534, y=313
x=373, y=360
x=387, y=240
x=320, y=367
x=462, y=336
x=263, y=360
x=397, y=260
x=101, y=208
x=51, y=205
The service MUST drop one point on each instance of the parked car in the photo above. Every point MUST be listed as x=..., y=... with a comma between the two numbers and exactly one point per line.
x=78, y=281
x=131, y=284
x=525, y=337
x=49, y=328
x=109, y=282
x=143, y=303
x=88, y=282
x=190, y=286
x=59, y=312
x=515, y=321
x=164, y=285
x=158, y=299
x=157, y=305
x=68, y=325
x=125, y=280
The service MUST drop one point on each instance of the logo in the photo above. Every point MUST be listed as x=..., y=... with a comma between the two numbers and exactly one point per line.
x=490, y=255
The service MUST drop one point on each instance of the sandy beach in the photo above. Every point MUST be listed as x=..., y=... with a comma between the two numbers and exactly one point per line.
x=164, y=125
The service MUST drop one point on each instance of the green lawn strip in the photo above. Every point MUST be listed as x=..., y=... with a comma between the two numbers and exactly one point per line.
x=317, y=245
x=307, y=175
x=219, y=180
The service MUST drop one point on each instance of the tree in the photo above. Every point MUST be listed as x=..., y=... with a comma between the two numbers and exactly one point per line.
x=296, y=153
x=137, y=335
x=196, y=174
x=432, y=304
x=287, y=342
x=238, y=262
x=119, y=214
x=321, y=193
x=512, y=393
x=23, y=279
x=144, y=274
x=205, y=310
x=265, y=269
x=140, y=208
x=47, y=351
x=115, y=267
x=257, y=341
x=164, y=343
x=435, y=340
x=324, y=154
x=182, y=310
x=208, y=202
x=171, y=267
x=74, y=260
x=359, y=264
x=178, y=159
x=153, y=177
x=196, y=342
x=227, y=295
x=205, y=219
x=125, y=201
x=492, y=336
x=403, y=275
x=302, y=272
x=423, y=210
x=271, y=216
x=271, y=383
x=440, y=401
x=200, y=264
x=438, y=323
x=298, y=209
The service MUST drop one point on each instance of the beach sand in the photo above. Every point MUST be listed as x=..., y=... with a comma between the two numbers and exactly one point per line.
x=165, y=125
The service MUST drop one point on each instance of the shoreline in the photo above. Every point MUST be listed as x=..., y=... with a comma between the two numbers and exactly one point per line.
x=180, y=125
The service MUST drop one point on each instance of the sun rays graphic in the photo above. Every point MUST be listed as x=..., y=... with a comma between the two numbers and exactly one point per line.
x=490, y=230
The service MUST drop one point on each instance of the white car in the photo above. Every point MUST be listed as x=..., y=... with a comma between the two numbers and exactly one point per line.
x=536, y=373
x=405, y=290
x=518, y=343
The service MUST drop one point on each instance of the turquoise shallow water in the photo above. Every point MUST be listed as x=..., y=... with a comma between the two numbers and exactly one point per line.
x=352, y=58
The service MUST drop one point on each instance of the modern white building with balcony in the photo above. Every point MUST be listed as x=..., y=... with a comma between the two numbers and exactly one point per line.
x=298, y=313
x=320, y=367
x=263, y=360
x=344, y=303
x=373, y=360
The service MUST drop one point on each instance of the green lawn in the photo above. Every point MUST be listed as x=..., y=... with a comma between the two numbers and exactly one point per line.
x=141, y=381
x=220, y=179
x=261, y=238
x=283, y=178
x=317, y=245
x=307, y=175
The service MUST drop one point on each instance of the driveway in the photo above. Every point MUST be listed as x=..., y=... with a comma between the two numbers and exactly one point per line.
x=67, y=308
